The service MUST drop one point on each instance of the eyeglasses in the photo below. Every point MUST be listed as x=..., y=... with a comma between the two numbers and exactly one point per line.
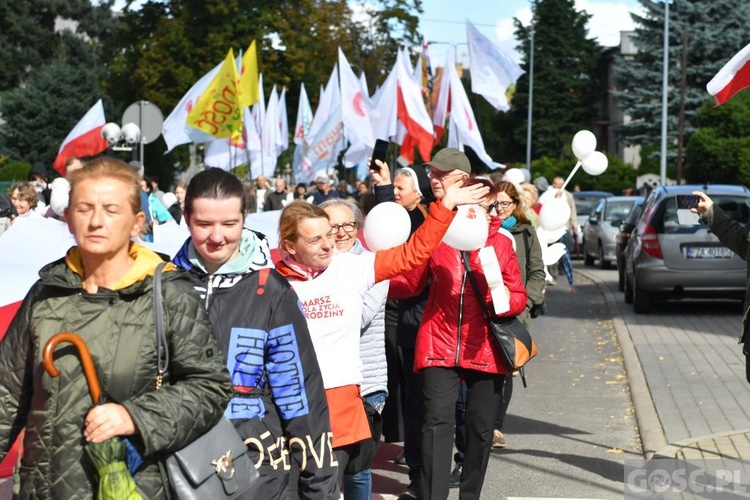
x=440, y=175
x=505, y=204
x=348, y=227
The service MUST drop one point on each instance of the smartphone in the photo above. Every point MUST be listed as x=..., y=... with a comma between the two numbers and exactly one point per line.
x=687, y=201
x=379, y=152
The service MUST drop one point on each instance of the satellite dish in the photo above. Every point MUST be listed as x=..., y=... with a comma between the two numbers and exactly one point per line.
x=148, y=117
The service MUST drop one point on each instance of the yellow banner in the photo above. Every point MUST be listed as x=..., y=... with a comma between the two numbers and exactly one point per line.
x=249, y=93
x=217, y=111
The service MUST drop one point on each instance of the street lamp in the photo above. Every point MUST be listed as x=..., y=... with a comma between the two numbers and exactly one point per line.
x=126, y=137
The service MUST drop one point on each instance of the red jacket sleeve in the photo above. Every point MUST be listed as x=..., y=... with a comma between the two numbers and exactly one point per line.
x=410, y=255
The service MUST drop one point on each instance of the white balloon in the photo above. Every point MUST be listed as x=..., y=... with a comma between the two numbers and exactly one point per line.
x=386, y=226
x=548, y=195
x=555, y=214
x=550, y=237
x=469, y=228
x=595, y=163
x=514, y=175
x=584, y=143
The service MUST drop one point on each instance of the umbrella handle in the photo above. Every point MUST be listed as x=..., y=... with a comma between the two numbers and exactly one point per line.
x=83, y=350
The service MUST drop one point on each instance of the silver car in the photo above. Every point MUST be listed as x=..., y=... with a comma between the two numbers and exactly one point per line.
x=601, y=230
x=671, y=254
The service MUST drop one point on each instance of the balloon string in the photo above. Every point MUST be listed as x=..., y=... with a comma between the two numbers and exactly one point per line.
x=578, y=165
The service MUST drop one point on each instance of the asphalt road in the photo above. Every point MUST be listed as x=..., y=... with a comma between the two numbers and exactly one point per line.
x=569, y=432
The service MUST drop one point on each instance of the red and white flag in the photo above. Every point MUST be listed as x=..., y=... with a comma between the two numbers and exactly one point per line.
x=733, y=77
x=412, y=113
x=85, y=139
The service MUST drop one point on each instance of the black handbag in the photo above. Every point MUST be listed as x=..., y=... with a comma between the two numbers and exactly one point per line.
x=514, y=339
x=217, y=464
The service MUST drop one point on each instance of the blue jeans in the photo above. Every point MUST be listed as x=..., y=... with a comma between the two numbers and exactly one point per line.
x=358, y=486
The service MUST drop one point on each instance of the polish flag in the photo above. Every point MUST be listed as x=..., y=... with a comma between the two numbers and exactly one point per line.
x=412, y=113
x=85, y=139
x=733, y=77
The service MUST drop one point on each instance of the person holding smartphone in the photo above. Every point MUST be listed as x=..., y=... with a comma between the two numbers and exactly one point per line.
x=735, y=236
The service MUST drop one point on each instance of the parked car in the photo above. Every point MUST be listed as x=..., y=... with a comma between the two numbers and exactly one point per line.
x=600, y=232
x=585, y=202
x=671, y=254
x=626, y=228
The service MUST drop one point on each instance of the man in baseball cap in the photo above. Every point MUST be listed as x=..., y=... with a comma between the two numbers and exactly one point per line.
x=447, y=167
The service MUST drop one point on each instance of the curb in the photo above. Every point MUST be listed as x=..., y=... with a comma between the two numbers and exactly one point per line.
x=650, y=429
x=702, y=447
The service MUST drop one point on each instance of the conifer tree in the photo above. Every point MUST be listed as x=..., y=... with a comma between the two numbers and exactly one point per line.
x=716, y=31
x=566, y=88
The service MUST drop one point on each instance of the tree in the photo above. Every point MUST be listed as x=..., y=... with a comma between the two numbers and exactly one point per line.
x=719, y=150
x=566, y=86
x=714, y=36
x=29, y=39
x=163, y=47
x=52, y=100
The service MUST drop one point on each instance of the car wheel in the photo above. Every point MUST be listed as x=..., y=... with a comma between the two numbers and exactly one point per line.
x=620, y=278
x=587, y=259
x=603, y=264
x=641, y=299
x=628, y=290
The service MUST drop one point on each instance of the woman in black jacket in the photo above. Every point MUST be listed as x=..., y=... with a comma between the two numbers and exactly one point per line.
x=278, y=406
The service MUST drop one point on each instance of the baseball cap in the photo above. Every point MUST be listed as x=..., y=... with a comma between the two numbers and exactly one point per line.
x=448, y=159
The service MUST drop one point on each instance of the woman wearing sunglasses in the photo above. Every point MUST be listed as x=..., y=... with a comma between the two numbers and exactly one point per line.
x=454, y=344
x=510, y=210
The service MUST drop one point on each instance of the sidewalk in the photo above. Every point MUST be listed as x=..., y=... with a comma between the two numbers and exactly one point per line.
x=686, y=375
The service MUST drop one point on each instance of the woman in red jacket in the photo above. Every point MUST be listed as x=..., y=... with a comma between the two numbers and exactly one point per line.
x=454, y=343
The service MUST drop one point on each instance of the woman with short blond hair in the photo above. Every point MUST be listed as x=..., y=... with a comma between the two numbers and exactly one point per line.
x=102, y=291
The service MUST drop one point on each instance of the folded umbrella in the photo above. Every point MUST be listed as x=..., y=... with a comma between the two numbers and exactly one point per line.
x=108, y=457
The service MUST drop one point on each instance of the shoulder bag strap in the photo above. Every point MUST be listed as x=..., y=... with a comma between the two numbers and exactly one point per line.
x=162, y=348
x=474, y=285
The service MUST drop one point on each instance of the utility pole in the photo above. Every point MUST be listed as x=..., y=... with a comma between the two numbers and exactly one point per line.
x=531, y=99
x=664, y=90
x=683, y=90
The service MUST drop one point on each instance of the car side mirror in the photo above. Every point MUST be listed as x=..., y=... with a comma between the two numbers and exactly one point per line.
x=616, y=222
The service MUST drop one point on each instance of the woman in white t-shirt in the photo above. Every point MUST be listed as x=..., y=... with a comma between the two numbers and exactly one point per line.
x=332, y=286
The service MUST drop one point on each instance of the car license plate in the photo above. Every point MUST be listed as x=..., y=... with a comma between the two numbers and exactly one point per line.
x=708, y=253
